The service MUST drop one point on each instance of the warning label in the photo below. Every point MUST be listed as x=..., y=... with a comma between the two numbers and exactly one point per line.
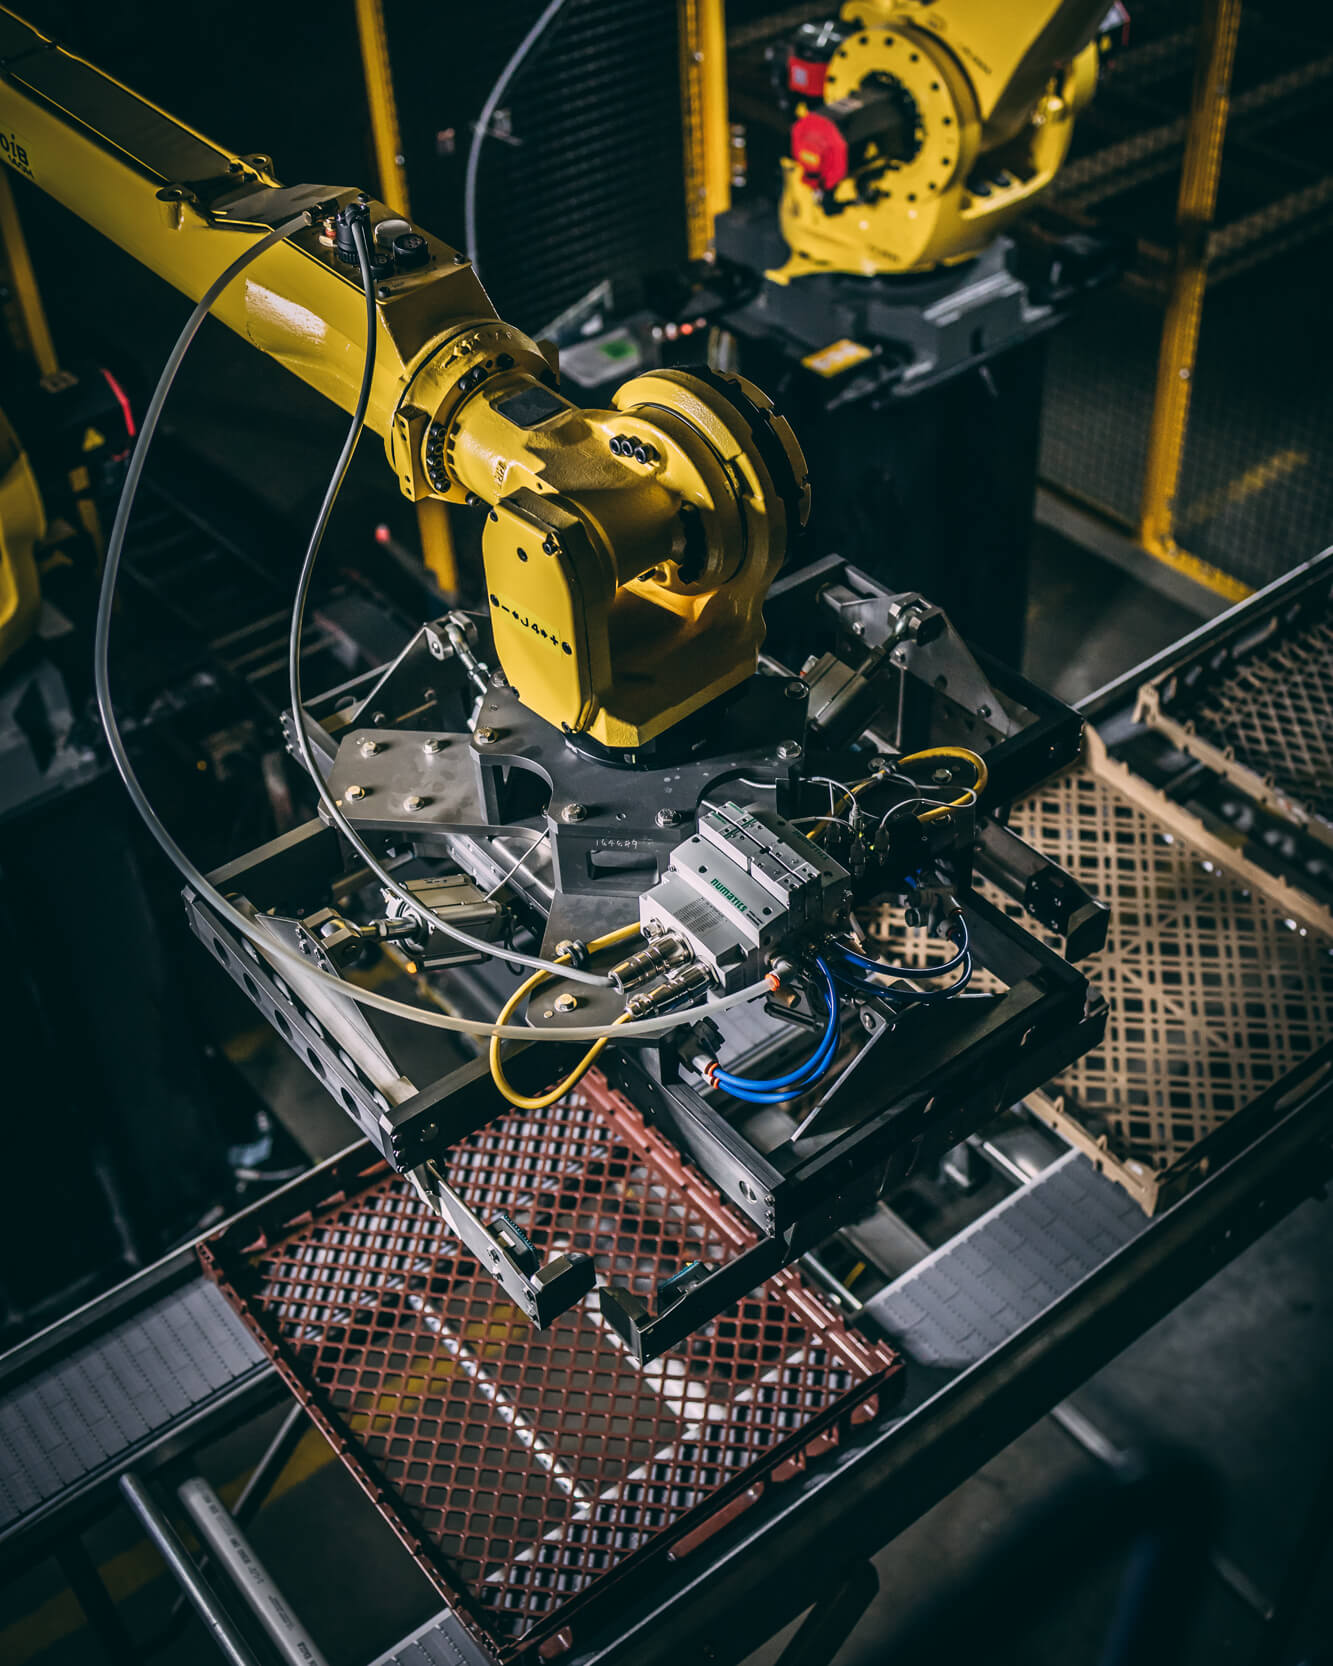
x=15, y=152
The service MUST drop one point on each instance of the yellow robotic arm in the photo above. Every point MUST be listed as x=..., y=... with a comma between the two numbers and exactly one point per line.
x=627, y=551
x=936, y=123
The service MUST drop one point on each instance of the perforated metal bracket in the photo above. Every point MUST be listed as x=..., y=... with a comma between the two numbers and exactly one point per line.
x=543, y=1292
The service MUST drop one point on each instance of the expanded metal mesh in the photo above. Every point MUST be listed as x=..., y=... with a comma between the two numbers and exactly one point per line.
x=1214, y=994
x=521, y=1467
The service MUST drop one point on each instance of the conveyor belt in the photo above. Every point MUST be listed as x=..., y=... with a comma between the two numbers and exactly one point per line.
x=440, y=1642
x=88, y=1414
x=951, y=1309
x=973, y=1293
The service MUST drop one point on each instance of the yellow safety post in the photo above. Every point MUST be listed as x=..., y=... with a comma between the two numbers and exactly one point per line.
x=1220, y=27
x=703, y=86
x=384, y=130
x=433, y=528
x=23, y=282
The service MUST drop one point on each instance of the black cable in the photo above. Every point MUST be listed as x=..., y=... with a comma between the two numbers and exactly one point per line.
x=425, y=916
x=270, y=947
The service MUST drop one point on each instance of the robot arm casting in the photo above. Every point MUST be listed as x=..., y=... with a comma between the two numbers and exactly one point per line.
x=923, y=129
x=627, y=551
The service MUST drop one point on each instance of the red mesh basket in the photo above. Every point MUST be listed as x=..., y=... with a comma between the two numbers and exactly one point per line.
x=529, y=1472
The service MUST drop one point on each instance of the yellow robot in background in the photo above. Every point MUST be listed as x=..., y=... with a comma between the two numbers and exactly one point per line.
x=923, y=129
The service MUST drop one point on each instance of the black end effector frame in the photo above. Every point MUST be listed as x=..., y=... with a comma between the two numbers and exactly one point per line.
x=884, y=673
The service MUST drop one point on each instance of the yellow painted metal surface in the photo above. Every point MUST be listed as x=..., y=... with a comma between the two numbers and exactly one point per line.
x=17, y=262
x=626, y=591
x=385, y=132
x=433, y=527
x=1196, y=206
x=437, y=544
x=707, y=129
x=22, y=525
x=995, y=90
x=109, y=162
x=626, y=594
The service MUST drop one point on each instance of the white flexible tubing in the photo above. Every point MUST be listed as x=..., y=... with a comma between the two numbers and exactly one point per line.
x=254, y=934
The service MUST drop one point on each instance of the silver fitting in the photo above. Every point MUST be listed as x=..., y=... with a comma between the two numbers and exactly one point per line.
x=574, y=951
x=676, y=991
x=664, y=951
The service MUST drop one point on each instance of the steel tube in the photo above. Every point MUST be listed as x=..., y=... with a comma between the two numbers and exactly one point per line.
x=187, y=1576
x=251, y=1578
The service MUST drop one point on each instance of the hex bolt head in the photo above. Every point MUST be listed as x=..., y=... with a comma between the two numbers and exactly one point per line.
x=795, y=690
x=574, y=812
x=566, y=1003
x=789, y=749
x=667, y=817
x=433, y=743
x=370, y=747
x=415, y=801
x=942, y=776
x=354, y=793
x=485, y=737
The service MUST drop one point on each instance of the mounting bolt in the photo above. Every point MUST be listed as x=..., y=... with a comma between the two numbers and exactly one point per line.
x=667, y=817
x=415, y=801
x=574, y=812
x=795, y=690
x=943, y=776
x=789, y=749
x=485, y=737
x=370, y=747
x=499, y=680
x=354, y=793
x=566, y=1003
x=433, y=743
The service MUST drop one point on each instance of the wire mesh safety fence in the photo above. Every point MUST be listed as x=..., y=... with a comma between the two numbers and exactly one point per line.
x=1252, y=494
